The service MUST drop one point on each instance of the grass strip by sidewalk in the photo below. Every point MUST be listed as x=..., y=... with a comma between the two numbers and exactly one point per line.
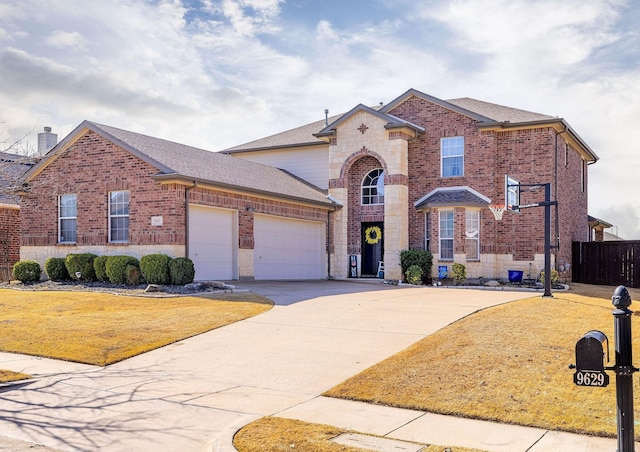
x=279, y=434
x=101, y=329
x=508, y=364
x=7, y=376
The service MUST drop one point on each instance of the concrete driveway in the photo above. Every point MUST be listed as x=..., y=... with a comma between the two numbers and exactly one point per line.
x=191, y=394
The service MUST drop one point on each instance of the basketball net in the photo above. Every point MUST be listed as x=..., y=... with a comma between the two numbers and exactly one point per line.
x=497, y=210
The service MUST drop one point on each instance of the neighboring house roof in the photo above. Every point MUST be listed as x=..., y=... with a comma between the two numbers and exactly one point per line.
x=487, y=115
x=609, y=237
x=176, y=161
x=597, y=223
x=12, y=168
x=452, y=196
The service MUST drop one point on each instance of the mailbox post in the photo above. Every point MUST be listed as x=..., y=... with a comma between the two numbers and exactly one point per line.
x=624, y=368
x=590, y=368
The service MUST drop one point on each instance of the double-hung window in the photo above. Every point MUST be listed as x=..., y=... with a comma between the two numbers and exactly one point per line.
x=373, y=187
x=452, y=156
x=446, y=235
x=472, y=234
x=118, y=216
x=67, y=218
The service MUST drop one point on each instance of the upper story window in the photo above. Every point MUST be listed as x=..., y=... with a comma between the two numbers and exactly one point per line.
x=373, y=187
x=452, y=156
x=446, y=235
x=119, y=216
x=67, y=218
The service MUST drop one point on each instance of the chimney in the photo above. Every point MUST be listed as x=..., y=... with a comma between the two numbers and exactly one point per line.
x=46, y=140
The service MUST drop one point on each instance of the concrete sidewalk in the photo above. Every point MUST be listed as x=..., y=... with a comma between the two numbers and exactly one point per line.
x=194, y=394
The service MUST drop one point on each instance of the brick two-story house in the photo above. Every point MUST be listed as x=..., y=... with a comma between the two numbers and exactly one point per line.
x=359, y=187
x=421, y=172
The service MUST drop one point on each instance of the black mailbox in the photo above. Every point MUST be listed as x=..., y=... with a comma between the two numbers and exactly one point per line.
x=591, y=351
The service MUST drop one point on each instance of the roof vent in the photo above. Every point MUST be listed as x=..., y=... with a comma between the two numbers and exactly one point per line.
x=326, y=117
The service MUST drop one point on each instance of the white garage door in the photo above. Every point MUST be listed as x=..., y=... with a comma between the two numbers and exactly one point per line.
x=288, y=249
x=212, y=243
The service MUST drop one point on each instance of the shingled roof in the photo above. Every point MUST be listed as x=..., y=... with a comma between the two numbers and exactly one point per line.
x=182, y=162
x=485, y=113
x=452, y=196
x=12, y=168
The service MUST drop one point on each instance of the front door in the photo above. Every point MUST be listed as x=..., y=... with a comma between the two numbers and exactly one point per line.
x=372, y=248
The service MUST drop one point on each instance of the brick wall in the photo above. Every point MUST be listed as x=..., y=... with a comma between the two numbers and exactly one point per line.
x=9, y=240
x=93, y=166
x=528, y=155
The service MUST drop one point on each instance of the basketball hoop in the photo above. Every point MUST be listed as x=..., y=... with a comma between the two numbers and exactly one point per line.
x=497, y=210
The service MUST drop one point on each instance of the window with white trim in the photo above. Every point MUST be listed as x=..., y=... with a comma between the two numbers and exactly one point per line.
x=373, y=187
x=446, y=235
x=472, y=234
x=452, y=156
x=427, y=230
x=118, y=216
x=67, y=218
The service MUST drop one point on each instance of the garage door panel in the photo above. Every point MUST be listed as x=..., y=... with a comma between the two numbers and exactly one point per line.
x=288, y=249
x=212, y=243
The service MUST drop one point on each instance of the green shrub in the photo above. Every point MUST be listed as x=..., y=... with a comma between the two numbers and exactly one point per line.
x=415, y=256
x=116, y=268
x=100, y=267
x=459, y=273
x=181, y=271
x=414, y=275
x=554, y=277
x=133, y=275
x=81, y=264
x=27, y=271
x=155, y=268
x=56, y=269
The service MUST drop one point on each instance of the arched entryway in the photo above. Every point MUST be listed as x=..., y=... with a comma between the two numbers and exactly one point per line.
x=366, y=213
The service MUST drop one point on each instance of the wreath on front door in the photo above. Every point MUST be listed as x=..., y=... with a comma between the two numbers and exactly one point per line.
x=372, y=235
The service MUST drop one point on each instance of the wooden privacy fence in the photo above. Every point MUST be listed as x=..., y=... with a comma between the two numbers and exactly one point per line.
x=607, y=263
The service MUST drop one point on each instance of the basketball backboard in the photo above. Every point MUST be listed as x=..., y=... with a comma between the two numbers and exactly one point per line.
x=512, y=193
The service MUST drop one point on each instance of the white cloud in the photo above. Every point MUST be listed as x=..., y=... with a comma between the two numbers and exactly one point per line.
x=63, y=39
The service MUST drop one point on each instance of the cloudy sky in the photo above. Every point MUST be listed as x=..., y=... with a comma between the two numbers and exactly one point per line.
x=216, y=73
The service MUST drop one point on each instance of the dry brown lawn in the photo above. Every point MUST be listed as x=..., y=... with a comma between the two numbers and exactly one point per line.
x=101, y=329
x=278, y=434
x=508, y=363
x=7, y=376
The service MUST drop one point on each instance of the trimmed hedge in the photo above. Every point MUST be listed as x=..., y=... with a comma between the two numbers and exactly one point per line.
x=181, y=271
x=27, y=271
x=116, y=268
x=100, y=267
x=81, y=264
x=56, y=269
x=133, y=275
x=155, y=268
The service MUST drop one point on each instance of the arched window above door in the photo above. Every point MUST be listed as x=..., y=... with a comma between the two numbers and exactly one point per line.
x=373, y=187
